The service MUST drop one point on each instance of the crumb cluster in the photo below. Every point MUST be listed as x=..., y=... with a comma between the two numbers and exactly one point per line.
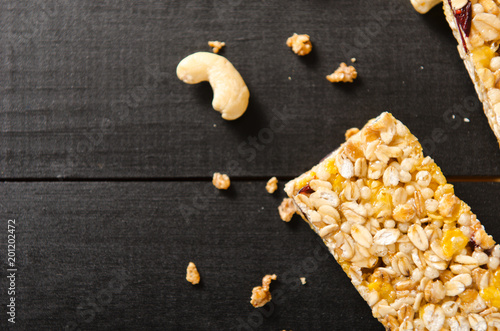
x=287, y=209
x=216, y=45
x=221, y=181
x=344, y=73
x=192, y=274
x=272, y=185
x=261, y=294
x=300, y=44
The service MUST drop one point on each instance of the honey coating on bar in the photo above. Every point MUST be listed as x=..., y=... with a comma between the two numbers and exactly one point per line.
x=413, y=250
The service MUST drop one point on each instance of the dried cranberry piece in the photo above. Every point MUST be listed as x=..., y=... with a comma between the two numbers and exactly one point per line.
x=472, y=244
x=306, y=190
x=464, y=17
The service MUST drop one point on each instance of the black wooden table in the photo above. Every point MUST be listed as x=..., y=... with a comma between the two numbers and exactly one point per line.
x=106, y=157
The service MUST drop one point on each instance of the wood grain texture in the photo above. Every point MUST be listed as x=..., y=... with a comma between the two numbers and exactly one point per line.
x=88, y=92
x=89, y=89
x=120, y=250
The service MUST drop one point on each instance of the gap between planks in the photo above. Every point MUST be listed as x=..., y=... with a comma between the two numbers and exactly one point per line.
x=451, y=179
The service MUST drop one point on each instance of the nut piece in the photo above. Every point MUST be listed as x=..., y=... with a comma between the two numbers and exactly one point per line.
x=447, y=204
x=230, y=91
x=488, y=25
x=457, y=4
x=404, y=213
x=423, y=6
x=216, y=45
x=272, y=185
x=221, y=181
x=351, y=132
x=192, y=274
x=303, y=280
x=287, y=209
x=261, y=294
x=300, y=44
x=344, y=73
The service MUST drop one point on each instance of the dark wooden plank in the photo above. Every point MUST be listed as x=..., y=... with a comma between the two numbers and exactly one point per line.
x=89, y=90
x=113, y=256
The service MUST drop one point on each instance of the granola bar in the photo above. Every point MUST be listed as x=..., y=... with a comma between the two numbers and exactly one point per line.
x=476, y=26
x=413, y=250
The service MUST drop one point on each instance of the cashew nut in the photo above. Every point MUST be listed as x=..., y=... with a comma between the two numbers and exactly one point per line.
x=230, y=91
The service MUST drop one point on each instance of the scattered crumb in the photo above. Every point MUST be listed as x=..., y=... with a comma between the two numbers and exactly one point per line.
x=221, y=181
x=421, y=67
x=466, y=120
x=192, y=274
x=261, y=294
x=351, y=132
x=216, y=45
x=215, y=125
x=303, y=280
x=344, y=73
x=289, y=78
x=286, y=209
x=272, y=185
x=300, y=44
x=353, y=59
x=453, y=116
